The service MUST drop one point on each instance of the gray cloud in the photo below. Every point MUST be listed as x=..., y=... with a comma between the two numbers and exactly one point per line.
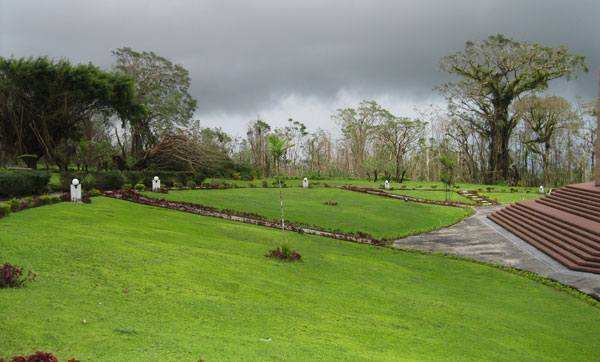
x=245, y=56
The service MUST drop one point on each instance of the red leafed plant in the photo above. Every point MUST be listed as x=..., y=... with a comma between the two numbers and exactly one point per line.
x=284, y=252
x=37, y=357
x=11, y=276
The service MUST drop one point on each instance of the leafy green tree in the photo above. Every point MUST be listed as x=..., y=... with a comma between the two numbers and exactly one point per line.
x=43, y=105
x=447, y=176
x=278, y=147
x=491, y=75
x=543, y=116
x=162, y=87
x=399, y=134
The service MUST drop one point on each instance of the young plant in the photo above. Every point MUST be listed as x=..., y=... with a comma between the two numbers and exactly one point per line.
x=278, y=148
x=11, y=276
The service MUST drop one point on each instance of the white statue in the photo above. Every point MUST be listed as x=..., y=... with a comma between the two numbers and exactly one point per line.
x=75, y=191
x=387, y=185
x=156, y=184
x=541, y=189
x=305, y=183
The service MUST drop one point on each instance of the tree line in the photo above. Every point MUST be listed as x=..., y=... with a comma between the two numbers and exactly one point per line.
x=499, y=125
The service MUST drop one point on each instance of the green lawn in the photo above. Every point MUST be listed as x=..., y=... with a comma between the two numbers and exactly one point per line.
x=365, y=183
x=510, y=198
x=380, y=216
x=433, y=195
x=200, y=287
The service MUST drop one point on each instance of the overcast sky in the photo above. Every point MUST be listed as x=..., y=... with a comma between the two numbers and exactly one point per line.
x=300, y=59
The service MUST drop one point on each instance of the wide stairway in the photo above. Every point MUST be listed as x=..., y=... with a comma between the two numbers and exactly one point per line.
x=564, y=225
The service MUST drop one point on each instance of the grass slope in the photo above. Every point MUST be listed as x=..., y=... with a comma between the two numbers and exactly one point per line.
x=510, y=198
x=200, y=288
x=382, y=217
x=433, y=195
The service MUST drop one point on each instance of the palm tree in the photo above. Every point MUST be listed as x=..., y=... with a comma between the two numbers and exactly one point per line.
x=278, y=148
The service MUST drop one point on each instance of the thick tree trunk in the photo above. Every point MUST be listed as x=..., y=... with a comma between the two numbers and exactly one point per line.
x=499, y=157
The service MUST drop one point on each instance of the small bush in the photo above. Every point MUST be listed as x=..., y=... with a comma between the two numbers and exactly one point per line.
x=28, y=201
x=489, y=188
x=14, y=204
x=206, y=184
x=177, y=185
x=89, y=182
x=419, y=186
x=251, y=185
x=126, y=187
x=56, y=199
x=265, y=184
x=234, y=185
x=45, y=200
x=139, y=187
x=191, y=185
x=4, y=209
x=221, y=187
x=275, y=183
x=285, y=253
x=94, y=192
x=330, y=203
x=11, y=276
x=37, y=357
x=403, y=186
x=434, y=186
x=326, y=185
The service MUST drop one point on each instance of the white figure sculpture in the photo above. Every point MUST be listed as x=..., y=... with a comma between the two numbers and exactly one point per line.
x=75, y=191
x=541, y=189
x=387, y=185
x=155, y=184
x=305, y=183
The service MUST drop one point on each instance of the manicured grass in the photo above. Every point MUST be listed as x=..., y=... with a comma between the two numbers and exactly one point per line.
x=380, y=216
x=200, y=287
x=510, y=198
x=433, y=195
x=365, y=183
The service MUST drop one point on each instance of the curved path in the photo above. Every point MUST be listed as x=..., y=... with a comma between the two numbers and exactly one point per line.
x=480, y=238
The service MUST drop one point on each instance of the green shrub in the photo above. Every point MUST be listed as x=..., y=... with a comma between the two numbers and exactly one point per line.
x=4, y=209
x=206, y=184
x=265, y=184
x=139, y=187
x=28, y=201
x=234, y=185
x=251, y=185
x=14, y=204
x=221, y=187
x=110, y=180
x=94, y=192
x=489, y=188
x=434, y=186
x=15, y=183
x=56, y=199
x=177, y=185
x=419, y=186
x=403, y=186
x=45, y=199
x=191, y=185
x=88, y=182
x=126, y=187
x=326, y=185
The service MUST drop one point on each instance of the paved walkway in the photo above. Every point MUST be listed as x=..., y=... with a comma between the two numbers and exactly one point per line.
x=480, y=238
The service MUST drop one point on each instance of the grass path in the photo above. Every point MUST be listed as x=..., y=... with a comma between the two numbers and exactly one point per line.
x=200, y=288
x=510, y=198
x=382, y=217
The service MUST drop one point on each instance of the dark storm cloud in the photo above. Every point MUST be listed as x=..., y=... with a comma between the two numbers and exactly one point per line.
x=244, y=56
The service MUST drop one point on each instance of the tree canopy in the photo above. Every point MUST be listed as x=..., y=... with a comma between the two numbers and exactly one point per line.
x=43, y=104
x=162, y=87
x=493, y=73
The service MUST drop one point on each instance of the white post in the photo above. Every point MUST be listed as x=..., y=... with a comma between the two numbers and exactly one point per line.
x=75, y=191
x=156, y=184
x=541, y=189
x=387, y=185
x=305, y=183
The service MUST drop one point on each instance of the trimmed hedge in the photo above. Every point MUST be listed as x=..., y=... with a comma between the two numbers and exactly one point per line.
x=17, y=183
